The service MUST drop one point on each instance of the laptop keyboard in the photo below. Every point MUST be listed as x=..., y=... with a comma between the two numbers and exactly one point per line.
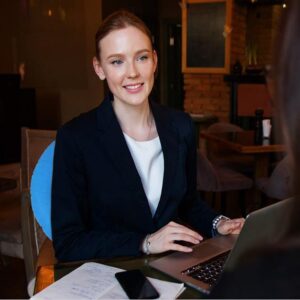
x=209, y=271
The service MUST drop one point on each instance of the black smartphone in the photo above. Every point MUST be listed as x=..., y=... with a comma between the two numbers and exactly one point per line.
x=136, y=285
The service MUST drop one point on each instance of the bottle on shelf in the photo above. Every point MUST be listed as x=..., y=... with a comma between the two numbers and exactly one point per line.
x=259, y=113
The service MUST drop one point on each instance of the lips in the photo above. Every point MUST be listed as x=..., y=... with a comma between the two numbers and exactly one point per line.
x=133, y=87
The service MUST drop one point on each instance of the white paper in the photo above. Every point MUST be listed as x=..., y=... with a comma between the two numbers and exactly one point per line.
x=97, y=281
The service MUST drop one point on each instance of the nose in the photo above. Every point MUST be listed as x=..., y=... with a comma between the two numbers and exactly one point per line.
x=132, y=70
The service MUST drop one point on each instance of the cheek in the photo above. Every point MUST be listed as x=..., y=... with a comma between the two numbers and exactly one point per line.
x=149, y=73
x=114, y=77
x=113, y=84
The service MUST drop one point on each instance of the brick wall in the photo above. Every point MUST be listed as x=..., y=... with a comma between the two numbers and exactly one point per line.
x=238, y=36
x=208, y=93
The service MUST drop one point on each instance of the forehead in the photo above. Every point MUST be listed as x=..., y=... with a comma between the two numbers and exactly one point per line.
x=123, y=41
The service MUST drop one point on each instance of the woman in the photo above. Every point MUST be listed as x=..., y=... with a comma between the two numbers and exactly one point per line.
x=125, y=172
x=275, y=272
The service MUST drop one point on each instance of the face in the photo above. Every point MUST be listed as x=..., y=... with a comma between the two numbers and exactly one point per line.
x=127, y=62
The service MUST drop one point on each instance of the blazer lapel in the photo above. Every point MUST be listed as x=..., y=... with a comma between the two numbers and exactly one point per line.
x=169, y=143
x=119, y=154
x=117, y=151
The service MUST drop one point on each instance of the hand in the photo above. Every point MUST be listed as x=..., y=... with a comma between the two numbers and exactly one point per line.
x=165, y=238
x=230, y=226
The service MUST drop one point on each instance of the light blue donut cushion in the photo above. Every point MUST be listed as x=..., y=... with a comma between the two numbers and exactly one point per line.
x=40, y=189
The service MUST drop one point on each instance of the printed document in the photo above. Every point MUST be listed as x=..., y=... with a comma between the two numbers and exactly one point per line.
x=93, y=281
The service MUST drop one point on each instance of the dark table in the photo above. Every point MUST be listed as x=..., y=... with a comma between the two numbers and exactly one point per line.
x=244, y=143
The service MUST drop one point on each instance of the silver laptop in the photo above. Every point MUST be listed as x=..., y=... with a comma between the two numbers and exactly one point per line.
x=201, y=268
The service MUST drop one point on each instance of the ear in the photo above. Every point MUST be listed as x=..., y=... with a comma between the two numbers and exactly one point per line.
x=155, y=60
x=98, y=69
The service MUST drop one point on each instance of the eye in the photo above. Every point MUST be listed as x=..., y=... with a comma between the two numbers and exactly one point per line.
x=143, y=57
x=116, y=62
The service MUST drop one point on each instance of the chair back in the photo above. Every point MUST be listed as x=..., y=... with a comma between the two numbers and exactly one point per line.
x=34, y=143
x=221, y=127
x=207, y=178
x=225, y=157
x=213, y=150
x=40, y=192
x=11, y=243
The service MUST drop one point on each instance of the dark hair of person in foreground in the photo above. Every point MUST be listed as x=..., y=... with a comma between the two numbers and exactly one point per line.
x=275, y=272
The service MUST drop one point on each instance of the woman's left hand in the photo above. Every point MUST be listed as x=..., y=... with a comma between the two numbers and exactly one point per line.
x=230, y=226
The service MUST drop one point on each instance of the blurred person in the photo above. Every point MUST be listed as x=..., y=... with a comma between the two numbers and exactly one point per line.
x=274, y=272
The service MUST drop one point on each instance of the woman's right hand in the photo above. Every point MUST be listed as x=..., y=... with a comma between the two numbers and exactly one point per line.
x=165, y=238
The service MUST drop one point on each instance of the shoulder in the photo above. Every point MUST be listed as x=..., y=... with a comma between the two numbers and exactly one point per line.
x=180, y=120
x=79, y=126
x=171, y=113
x=86, y=123
x=82, y=121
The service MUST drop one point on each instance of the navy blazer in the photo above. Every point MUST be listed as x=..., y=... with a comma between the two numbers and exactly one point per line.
x=99, y=207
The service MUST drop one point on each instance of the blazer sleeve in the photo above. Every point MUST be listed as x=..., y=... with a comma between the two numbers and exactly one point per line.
x=194, y=210
x=73, y=239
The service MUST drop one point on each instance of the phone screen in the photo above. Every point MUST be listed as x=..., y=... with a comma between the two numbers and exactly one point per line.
x=136, y=285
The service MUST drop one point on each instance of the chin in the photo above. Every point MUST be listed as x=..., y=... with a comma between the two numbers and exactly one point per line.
x=136, y=100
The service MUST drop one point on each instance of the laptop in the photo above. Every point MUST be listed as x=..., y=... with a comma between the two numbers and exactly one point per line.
x=202, y=268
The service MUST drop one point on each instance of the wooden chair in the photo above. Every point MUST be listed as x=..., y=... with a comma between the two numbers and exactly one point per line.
x=218, y=179
x=38, y=249
x=11, y=241
x=228, y=158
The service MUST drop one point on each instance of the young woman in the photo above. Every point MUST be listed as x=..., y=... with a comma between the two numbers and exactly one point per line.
x=124, y=180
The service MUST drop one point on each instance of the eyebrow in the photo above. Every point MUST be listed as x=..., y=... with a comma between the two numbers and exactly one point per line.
x=121, y=55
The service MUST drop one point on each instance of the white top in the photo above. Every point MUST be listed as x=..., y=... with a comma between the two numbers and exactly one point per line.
x=149, y=161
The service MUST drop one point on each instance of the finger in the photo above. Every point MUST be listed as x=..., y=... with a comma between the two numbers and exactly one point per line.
x=239, y=224
x=232, y=225
x=235, y=228
x=238, y=220
x=172, y=223
x=177, y=247
x=227, y=227
x=178, y=228
x=184, y=237
x=237, y=231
